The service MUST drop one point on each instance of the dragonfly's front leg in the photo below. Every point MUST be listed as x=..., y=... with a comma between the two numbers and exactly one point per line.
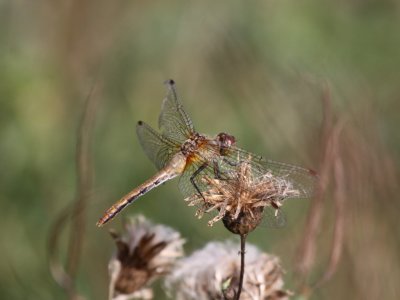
x=194, y=175
x=232, y=163
x=217, y=171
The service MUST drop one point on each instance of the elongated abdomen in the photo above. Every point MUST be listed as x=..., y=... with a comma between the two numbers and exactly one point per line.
x=142, y=189
x=174, y=168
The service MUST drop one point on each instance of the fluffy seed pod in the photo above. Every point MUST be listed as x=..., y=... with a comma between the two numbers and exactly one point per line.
x=241, y=199
x=212, y=273
x=144, y=252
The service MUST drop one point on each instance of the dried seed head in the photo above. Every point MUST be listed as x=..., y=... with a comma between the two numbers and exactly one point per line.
x=245, y=222
x=241, y=198
x=144, y=252
x=212, y=273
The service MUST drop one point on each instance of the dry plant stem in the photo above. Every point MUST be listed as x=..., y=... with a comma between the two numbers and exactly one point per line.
x=338, y=234
x=85, y=180
x=331, y=161
x=66, y=277
x=56, y=269
x=242, y=263
x=308, y=244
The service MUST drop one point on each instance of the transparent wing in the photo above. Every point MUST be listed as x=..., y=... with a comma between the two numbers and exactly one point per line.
x=301, y=179
x=158, y=148
x=273, y=218
x=188, y=184
x=206, y=162
x=272, y=181
x=173, y=120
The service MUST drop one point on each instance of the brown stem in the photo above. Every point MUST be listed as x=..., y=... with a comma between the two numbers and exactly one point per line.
x=242, y=263
x=66, y=277
x=85, y=179
x=338, y=234
x=307, y=250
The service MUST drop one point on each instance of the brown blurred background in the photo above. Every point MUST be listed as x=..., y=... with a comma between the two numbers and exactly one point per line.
x=313, y=83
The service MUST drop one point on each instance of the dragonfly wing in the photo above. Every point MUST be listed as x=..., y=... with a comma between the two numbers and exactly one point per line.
x=173, y=120
x=301, y=179
x=202, y=164
x=193, y=177
x=273, y=218
x=157, y=147
x=195, y=187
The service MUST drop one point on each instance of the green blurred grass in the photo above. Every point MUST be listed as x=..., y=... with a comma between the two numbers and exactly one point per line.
x=255, y=70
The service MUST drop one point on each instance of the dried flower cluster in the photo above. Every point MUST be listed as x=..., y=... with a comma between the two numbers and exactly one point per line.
x=144, y=252
x=241, y=199
x=212, y=273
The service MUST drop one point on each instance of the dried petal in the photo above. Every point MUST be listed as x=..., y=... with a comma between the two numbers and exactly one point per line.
x=144, y=252
x=241, y=199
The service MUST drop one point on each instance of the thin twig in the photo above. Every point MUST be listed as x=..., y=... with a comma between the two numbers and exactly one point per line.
x=85, y=181
x=242, y=263
x=66, y=277
x=331, y=161
x=56, y=269
x=307, y=251
x=339, y=199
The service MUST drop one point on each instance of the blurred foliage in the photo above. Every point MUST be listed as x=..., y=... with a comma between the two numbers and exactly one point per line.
x=255, y=69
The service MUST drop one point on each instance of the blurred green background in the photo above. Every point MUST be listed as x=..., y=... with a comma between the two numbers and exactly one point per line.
x=255, y=69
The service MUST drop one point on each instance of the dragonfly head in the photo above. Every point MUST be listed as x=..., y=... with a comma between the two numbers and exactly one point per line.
x=225, y=141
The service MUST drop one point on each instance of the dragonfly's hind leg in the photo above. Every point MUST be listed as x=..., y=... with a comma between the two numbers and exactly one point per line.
x=194, y=175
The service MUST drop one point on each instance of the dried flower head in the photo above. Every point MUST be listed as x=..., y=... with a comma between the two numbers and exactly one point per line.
x=241, y=198
x=212, y=273
x=144, y=252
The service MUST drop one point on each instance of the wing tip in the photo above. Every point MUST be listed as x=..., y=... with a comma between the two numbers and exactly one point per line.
x=169, y=82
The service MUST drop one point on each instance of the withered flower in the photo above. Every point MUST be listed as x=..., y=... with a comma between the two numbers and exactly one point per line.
x=241, y=198
x=212, y=273
x=144, y=252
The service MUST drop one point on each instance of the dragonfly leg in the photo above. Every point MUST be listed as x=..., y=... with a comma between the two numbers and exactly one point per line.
x=232, y=163
x=221, y=175
x=217, y=171
x=194, y=175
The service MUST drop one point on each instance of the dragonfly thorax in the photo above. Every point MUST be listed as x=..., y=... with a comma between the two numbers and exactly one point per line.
x=192, y=144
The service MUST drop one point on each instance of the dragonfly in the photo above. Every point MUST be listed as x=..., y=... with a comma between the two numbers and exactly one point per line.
x=179, y=150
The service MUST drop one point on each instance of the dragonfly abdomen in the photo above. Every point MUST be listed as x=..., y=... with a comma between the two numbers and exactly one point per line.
x=171, y=170
x=139, y=191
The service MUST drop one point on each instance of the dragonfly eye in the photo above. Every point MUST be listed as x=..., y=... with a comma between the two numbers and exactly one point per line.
x=225, y=141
